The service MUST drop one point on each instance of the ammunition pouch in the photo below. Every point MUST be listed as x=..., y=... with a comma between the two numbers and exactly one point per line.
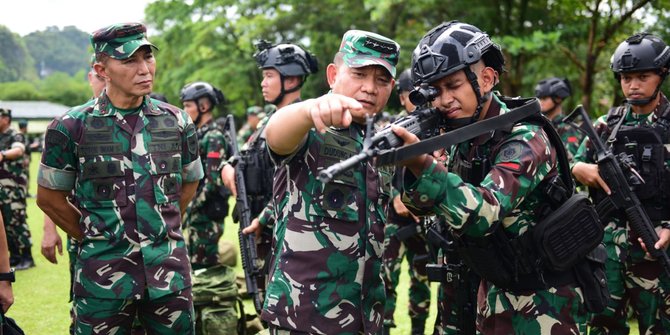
x=215, y=206
x=568, y=233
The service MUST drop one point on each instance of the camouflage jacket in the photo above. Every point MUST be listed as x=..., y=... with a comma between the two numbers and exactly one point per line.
x=571, y=137
x=508, y=193
x=325, y=274
x=12, y=169
x=213, y=150
x=127, y=183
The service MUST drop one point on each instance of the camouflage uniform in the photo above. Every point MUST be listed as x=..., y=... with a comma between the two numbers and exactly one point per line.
x=633, y=279
x=206, y=213
x=127, y=184
x=13, y=190
x=571, y=137
x=508, y=194
x=395, y=251
x=326, y=273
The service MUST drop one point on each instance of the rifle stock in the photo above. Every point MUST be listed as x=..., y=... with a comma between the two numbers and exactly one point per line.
x=247, y=242
x=622, y=195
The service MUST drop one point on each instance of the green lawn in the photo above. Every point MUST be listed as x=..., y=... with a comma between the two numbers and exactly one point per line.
x=41, y=304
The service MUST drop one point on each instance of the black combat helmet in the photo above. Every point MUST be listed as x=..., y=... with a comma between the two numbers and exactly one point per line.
x=199, y=89
x=641, y=52
x=451, y=47
x=553, y=87
x=404, y=82
x=289, y=60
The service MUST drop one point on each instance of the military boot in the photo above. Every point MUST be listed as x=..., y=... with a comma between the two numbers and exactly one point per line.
x=418, y=326
x=27, y=261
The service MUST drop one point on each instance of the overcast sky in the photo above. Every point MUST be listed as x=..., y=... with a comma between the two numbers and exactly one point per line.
x=26, y=16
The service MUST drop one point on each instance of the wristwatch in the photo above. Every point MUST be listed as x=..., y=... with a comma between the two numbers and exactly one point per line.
x=8, y=276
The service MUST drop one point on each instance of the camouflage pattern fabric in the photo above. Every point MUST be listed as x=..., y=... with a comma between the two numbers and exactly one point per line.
x=120, y=41
x=167, y=315
x=127, y=184
x=363, y=48
x=633, y=279
x=326, y=269
x=204, y=231
x=13, y=179
x=571, y=137
x=419, y=288
x=509, y=195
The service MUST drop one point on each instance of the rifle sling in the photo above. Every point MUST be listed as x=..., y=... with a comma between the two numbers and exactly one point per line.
x=505, y=121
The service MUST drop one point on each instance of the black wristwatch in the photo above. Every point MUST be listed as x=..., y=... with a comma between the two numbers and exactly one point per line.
x=8, y=276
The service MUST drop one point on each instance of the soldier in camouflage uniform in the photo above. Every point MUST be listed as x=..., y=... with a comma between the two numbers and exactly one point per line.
x=134, y=165
x=206, y=213
x=640, y=64
x=326, y=270
x=254, y=116
x=552, y=92
x=399, y=245
x=464, y=65
x=13, y=188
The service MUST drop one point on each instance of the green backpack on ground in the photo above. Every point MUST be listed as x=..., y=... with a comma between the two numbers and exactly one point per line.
x=218, y=306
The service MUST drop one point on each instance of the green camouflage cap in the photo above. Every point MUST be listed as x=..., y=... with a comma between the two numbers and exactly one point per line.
x=5, y=112
x=362, y=48
x=254, y=110
x=120, y=41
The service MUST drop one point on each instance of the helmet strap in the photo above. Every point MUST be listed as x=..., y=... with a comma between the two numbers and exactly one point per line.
x=644, y=101
x=472, y=77
x=284, y=91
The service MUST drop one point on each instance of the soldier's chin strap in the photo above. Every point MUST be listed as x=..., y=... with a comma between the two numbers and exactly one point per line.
x=200, y=112
x=526, y=108
x=284, y=91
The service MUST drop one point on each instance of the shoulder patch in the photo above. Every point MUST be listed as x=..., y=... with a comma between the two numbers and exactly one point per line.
x=511, y=152
x=55, y=137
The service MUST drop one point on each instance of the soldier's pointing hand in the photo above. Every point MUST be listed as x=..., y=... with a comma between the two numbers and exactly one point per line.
x=332, y=110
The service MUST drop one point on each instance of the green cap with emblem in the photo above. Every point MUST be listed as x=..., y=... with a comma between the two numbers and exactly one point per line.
x=120, y=41
x=361, y=48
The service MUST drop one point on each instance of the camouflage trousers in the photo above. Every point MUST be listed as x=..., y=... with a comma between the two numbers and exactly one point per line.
x=13, y=202
x=274, y=330
x=419, y=289
x=635, y=282
x=556, y=310
x=203, y=239
x=170, y=314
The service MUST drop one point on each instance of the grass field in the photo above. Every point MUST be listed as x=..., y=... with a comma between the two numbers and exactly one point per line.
x=41, y=304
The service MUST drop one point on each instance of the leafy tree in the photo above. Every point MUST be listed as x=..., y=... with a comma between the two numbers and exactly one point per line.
x=19, y=90
x=15, y=61
x=56, y=50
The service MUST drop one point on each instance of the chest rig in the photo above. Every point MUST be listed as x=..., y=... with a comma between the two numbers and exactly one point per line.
x=259, y=172
x=567, y=229
x=645, y=148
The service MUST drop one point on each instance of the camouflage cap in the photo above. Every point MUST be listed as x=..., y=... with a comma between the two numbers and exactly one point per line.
x=362, y=48
x=5, y=112
x=254, y=110
x=120, y=41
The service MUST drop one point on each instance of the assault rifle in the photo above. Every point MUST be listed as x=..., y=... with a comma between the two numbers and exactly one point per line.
x=247, y=242
x=424, y=122
x=611, y=168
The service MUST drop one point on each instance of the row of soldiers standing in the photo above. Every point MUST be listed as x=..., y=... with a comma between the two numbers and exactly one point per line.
x=325, y=261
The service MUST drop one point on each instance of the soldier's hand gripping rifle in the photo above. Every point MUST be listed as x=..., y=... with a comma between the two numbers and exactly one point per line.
x=247, y=242
x=424, y=122
x=611, y=168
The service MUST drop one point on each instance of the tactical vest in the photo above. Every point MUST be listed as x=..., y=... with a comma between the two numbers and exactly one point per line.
x=645, y=148
x=104, y=178
x=258, y=171
x=523, y=262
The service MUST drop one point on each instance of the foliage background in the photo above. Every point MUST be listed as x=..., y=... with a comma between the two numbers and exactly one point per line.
x=213, y=40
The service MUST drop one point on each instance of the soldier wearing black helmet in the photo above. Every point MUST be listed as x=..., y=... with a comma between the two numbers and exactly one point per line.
x=208, y=209
x=552, y=92
x=640, y=65
x=493, y=192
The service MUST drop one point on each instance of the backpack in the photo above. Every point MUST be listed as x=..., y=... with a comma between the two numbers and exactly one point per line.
x=217, y=304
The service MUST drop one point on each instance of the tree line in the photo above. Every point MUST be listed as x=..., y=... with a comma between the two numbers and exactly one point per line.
x=213, y=41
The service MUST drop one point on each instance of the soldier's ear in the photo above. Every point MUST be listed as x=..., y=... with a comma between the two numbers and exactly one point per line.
x=489, y=79
x=331, y=74
x=101, y=70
